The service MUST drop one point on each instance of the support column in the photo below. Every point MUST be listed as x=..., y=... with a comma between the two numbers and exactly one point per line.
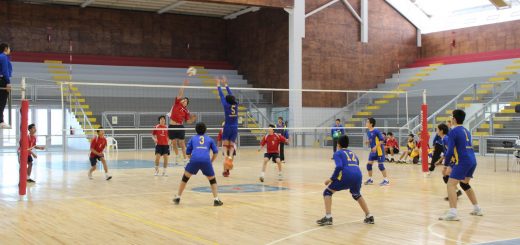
x=296, y=35
x=364, y=21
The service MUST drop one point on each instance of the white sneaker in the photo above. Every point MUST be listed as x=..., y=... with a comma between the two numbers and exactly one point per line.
x=90, y=176
x=280, y=176
x=5, y=126
x=164, y=174
x=477, y=212
x=156, y=172
x=109, y=177
x=449, y=217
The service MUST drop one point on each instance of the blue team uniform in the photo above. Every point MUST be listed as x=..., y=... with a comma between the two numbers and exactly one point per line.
x=230, y=131
x=375, y=137
x=199, y=147
x=461, y=149
x=444, y=144
x=347, y=174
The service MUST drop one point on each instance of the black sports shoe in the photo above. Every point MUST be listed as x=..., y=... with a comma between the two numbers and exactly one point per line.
x=176, y=200
x=324, y=221
x=369, y=220
x=217, y=203
x=31, y=181
x=459, y=193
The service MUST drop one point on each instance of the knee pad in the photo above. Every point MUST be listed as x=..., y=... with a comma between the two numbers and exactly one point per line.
x=356, y=196
x=445, y=178
x=185, y=178
x=381, y=166
x=369, y=167
x=213, y=181
x=465, y=186
x=327, y=192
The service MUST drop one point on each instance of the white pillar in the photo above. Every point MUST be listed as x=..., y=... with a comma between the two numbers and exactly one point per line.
x=296, y=34
x=419, y=38
x=364, y=21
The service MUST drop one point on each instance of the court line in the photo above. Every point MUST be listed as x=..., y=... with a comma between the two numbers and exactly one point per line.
x=150, y=223
x=380, y=217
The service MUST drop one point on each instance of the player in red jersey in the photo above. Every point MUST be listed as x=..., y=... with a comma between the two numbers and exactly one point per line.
x=97, y=146
x=32, y=146
x=178, y=115
x=272, y=141
x=162, y=148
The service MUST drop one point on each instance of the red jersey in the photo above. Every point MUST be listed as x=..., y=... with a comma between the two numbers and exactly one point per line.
x=420, y=143
x=219, y=136
x=32, y=142
x=273, y=142
x=160, y=134
x=98, y=144
x=179, y=113
x=392, y=143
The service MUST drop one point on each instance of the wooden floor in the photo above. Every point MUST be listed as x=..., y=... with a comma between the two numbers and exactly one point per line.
x=135, y=207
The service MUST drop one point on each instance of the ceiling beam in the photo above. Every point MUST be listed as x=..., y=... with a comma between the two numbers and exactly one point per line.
x=87, y=3
x=170, y=7
x=241, y=12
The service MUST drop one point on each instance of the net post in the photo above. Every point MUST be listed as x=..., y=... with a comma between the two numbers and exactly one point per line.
x=24, y=143
x=425, y=136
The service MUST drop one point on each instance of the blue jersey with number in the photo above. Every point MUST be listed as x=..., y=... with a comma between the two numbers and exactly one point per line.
x=347, y=165
x=199, y=147
x=230, y=111
x=375, y=137
x=460, y=147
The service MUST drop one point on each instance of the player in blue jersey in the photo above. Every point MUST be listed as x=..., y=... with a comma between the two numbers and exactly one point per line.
x=346, y=176
x=198, y=151
x=442, y=131
x=377, y=153
x=461, y=148
x=230, y=132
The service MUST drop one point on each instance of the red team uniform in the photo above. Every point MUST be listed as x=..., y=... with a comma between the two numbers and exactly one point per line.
x=178, y=114
x=162, y=147
x=99, y=145
x=273, y=145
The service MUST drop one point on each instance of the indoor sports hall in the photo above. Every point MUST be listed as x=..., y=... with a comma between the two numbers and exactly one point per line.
x=260, y=122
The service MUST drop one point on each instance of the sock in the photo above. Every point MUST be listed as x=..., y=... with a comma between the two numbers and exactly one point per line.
x=368, y=215
x=453, y=211
x=328, y=216
x=262, y=174
x=385, y=179
x=216, y=199
x=476, y=207
x=164, y=170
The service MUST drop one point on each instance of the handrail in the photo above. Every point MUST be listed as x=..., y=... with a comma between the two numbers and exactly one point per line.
x=104, y=118
x=488, y=105
x=78, y=106
x=252, y=105
x=344, y=109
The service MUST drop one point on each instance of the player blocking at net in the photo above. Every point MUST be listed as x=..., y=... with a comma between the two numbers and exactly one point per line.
x=198, y=151
x=178, y=115
x=230, y=130
x=346, y=176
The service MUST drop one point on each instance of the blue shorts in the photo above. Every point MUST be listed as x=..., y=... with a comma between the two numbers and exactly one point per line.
x=374, y=157
x=230, y=133
x=206, y=167
x=462, y=171
x=354, y=185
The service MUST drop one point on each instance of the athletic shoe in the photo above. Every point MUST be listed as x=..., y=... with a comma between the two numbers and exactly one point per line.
x=449, y=217
x=5, y=126
x=369, y=182
x=384, y=183
x=217, y=203
x=477, y=212
x=176, y=200
x=31, y=180
x=156, y=172
x=225, y=173
x=324, y=221
x=459, y=193
x=109, y=177
x=90, y=176
x=283, y=161
x=280, y=177
x=369, y=220
x=164, y=174
x=392, y=160
x=261, y=179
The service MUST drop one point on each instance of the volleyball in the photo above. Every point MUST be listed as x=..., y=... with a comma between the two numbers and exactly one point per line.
x=191, y=71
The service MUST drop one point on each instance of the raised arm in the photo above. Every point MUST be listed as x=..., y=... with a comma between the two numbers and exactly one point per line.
x=225, y=81
x=181, y=90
